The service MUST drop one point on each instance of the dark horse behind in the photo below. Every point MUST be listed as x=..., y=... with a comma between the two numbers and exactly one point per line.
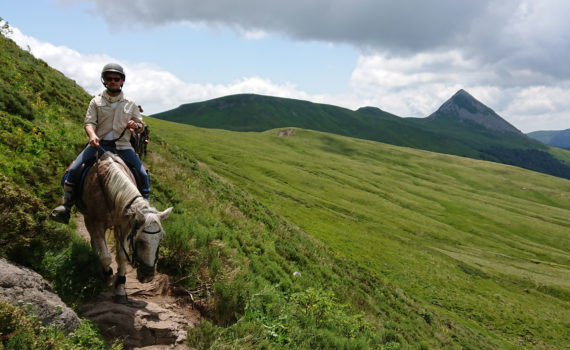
x=112, y=201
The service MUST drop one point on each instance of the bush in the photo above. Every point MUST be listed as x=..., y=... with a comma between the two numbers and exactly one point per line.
x=25, y=234
x=20, y=331
x=75, y=273
x=203, y=335
x=312, y=319
x=13, y=102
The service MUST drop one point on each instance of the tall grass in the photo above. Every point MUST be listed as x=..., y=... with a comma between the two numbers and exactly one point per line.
x=483, y=244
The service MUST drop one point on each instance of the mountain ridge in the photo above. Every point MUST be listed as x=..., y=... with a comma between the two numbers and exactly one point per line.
x=462, y=126
x=556, y=138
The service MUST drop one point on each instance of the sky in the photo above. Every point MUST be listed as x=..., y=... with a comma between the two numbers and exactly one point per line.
x=405, y=57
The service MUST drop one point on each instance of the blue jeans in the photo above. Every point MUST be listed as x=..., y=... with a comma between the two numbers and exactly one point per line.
x=127, y=155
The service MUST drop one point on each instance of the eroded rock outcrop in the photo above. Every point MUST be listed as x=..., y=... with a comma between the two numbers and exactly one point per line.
x=20, y=285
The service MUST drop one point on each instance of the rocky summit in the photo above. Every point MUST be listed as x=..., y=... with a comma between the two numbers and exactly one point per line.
x=463, y=106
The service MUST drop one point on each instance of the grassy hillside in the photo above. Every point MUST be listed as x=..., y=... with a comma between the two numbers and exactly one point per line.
x=442, y=132
x=40, y=114
x=40, y=111
x=483, y=244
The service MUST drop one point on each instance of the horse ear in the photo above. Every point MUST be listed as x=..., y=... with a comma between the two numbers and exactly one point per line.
x=163, y=215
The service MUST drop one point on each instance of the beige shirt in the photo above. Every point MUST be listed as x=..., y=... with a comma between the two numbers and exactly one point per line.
x=104, y=118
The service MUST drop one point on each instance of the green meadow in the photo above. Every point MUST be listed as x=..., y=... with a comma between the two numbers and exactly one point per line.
x=484, y=244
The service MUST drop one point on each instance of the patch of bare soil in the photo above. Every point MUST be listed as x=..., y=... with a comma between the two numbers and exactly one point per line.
x=286, y=132
x=153, y=318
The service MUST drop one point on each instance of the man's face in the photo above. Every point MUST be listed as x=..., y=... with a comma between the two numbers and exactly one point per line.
x=113, y=82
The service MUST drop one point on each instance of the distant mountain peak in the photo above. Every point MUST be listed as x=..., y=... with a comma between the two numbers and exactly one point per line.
x=463, y=106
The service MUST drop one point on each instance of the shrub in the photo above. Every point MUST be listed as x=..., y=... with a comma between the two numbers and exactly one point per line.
x=75, y=273
x=25, y=234
x=203, y=335
x=20, y=331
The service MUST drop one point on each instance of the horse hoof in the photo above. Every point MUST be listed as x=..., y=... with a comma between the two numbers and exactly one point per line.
x=120, y=299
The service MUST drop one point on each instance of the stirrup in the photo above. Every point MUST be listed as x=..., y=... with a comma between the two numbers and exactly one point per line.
x=61, y=214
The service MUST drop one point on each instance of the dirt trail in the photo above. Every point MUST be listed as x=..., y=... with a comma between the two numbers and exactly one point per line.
x=152, y=319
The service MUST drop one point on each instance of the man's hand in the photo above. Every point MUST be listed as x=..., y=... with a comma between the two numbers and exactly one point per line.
x=131, y=124
x=94, y=141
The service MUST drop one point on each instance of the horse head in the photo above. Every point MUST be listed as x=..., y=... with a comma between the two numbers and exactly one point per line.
x=146, y=242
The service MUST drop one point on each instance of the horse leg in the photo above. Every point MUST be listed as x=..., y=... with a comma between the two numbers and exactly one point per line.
x=121, y=259
x=98, y=243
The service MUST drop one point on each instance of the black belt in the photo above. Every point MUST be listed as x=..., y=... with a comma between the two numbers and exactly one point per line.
x=107, y=143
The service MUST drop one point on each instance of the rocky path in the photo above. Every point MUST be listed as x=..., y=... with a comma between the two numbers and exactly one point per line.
x=152, y=319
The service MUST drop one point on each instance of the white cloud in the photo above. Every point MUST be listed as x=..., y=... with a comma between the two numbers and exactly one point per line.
x=408, y=86
x=542, y=106
x=416, y=85
x=519, y=33
x=154, y=88
x=84, y=69
x=255, y=34
x=411, y=87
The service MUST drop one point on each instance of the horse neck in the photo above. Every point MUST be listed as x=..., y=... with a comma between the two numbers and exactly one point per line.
x=121, y=192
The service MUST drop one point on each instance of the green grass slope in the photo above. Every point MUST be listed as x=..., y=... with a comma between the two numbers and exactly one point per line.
x=40, y=114
x=440, y=133
x=484, y=244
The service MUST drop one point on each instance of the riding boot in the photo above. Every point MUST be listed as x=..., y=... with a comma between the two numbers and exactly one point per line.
x=62, y=213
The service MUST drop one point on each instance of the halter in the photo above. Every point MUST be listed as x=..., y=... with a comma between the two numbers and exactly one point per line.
x=134, y=260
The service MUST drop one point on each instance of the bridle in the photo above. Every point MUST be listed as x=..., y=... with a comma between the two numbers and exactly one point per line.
x=134, y=259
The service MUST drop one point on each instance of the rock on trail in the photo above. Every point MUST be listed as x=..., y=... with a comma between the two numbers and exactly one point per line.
x=153, y=318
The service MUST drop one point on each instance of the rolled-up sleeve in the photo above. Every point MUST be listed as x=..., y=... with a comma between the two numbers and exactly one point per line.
x=91, y=115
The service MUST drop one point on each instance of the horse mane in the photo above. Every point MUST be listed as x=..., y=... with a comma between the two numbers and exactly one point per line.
x=120, y=189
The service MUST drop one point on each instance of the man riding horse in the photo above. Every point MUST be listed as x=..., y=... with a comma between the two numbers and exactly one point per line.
x=109, y=116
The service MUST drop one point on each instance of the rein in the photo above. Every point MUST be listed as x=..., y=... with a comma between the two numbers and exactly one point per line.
x=118, y=138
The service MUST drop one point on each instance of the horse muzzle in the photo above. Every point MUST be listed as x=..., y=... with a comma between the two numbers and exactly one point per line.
x=145, y=274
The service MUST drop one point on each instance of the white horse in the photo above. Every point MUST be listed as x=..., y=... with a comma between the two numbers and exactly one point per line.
x=112, y=200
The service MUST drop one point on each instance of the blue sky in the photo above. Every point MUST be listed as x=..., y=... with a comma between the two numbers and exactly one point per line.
x=406, y=57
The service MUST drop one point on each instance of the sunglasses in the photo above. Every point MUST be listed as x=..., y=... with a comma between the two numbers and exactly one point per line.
x=113, y=79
